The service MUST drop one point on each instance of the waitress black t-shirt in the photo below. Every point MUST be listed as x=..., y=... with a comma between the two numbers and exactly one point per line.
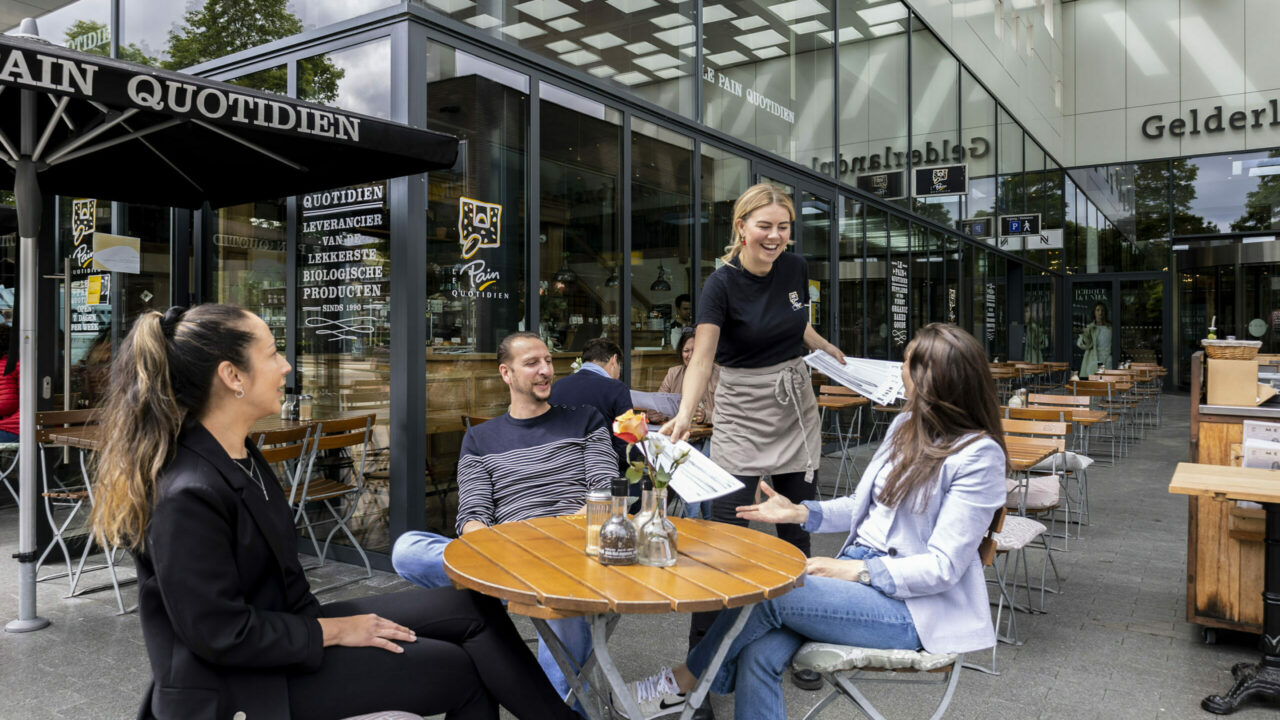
x=761, y=319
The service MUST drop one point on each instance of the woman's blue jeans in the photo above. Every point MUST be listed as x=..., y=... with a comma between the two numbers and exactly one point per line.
x=823, y=610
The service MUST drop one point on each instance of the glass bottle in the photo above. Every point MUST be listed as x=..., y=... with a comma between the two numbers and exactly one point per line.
x=617, y=534
x=647, y=505
x=598, y=506
x=657, y=547
x=287, y=407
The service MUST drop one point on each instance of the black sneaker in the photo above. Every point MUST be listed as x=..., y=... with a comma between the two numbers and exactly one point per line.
x=806, y=679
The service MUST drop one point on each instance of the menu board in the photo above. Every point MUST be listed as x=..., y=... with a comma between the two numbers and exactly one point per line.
x=344, y=283
x=898, y=301
x=991, y=312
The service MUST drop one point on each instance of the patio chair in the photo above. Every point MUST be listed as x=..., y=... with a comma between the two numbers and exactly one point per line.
x=10, y=449
x=836, y=398
x=1072, y=465
x=67, y=497
x=339, y=496
x=843, y=666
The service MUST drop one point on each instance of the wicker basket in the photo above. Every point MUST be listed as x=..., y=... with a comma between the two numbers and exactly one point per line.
x=1231, y=349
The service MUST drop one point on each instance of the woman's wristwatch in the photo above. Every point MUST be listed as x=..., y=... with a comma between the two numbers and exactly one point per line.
x=864, y=575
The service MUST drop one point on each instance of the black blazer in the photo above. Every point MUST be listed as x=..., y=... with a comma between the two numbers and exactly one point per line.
x=226, y=611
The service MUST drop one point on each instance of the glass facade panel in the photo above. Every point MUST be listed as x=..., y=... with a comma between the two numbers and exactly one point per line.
x=877, y=276
x=850, y=319
x=644, y=47
x=82, y=25
x=1010, y=189
x=581, y=232
x=318, y=13
x=724, y=177
x=661, y=232
x=1141, y=321
x=978, y=117
x=935, y=120
x=873, y=89
x=814, y=244
x=249, y=261
x=767, y=77
x=92, y=309
x=357, y=79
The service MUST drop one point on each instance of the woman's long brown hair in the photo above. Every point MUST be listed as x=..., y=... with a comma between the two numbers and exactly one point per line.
x=162, y=375
x=952, y=405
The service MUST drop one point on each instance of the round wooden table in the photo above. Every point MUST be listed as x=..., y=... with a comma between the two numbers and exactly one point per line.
x=538, y=566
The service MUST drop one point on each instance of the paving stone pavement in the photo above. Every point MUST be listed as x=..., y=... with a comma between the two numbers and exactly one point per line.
x=1113, y=645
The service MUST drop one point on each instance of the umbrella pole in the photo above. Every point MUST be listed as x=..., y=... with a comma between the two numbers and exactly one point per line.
x=27, y=197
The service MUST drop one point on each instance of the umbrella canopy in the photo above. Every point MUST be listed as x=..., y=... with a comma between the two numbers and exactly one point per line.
x=120, y=131
x=87, y=126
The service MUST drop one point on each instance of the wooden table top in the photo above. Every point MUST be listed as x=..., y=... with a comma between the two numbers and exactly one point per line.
x=85, y=437
x=1225, y=482
x=1078, y=415
x=838, y=402
x=540, y=568
x=1024, y=452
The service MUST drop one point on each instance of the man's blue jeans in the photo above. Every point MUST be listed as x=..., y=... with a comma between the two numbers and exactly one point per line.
x=419, y=558
x=824, y=610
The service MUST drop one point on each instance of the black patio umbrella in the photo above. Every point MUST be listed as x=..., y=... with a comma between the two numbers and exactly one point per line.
x=78, y=124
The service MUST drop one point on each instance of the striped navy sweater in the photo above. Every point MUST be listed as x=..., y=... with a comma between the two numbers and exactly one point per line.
x=512, y=469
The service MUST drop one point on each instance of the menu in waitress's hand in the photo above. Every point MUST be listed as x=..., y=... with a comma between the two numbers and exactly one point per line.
x=880, y=381
x=697, y=478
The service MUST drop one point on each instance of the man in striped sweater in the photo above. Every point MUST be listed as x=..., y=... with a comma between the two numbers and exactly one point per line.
x=536, y=460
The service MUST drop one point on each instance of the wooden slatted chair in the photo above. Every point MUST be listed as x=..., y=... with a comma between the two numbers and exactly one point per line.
x=69, y=492
x=844, y=666
x=1073, y=465
x=340, y=496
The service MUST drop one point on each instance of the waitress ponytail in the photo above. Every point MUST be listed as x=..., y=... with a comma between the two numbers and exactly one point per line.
x=160, y=378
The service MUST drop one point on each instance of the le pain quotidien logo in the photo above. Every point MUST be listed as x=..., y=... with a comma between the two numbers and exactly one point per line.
x=479, y=228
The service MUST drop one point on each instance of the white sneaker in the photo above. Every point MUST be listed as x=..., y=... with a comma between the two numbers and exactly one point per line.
x=657, y=696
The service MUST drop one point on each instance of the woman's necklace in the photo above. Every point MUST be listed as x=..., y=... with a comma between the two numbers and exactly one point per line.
x=254, y=475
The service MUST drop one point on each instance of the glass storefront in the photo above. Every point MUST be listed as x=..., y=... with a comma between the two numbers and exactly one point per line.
x=576, y=210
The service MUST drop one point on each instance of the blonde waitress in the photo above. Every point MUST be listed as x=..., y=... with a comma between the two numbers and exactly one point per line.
x=753, y=321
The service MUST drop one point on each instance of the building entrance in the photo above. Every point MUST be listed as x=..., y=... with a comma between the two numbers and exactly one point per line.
x=1121, y=318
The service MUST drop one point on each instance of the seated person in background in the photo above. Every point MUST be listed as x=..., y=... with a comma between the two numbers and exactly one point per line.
x=674, y=383
x=684, y=317
x=536, y=460
x=596, y=385
x=909, y=574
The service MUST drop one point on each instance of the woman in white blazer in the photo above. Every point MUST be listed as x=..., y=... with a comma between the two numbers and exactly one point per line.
x=908, y=575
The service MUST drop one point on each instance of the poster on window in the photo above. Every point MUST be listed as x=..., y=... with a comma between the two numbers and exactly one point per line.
x=344, y=279
x=1091, y=329
x=898, y=283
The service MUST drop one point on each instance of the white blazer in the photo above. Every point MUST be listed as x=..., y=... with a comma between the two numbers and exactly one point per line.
x=933, y=553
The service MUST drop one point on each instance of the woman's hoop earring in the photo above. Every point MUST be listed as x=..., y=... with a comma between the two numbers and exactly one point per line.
x=240, y=393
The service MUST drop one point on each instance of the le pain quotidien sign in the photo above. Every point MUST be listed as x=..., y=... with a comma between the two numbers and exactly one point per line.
x=35, y=70
x=1216, y=120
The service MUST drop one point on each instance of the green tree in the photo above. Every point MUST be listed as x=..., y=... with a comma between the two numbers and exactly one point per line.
x=1262, y=204
x=87, y=28
x=1181, y=178
x=221, y=27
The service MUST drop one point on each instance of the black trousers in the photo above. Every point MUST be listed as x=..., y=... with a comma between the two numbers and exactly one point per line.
x=724, y=509
x=468, y=659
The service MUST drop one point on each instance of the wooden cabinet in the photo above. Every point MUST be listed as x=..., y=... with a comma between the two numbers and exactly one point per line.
x=1224, y=541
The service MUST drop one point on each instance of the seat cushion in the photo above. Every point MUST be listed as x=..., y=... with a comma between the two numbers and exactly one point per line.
x=1075, y=462
x=1018, y=531
x=1042, y=492
x=827, y=657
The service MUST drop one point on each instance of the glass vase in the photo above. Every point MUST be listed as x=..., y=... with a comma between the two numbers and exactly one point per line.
x=657, y=541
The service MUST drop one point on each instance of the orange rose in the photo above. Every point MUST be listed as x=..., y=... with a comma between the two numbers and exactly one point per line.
x=631, y=426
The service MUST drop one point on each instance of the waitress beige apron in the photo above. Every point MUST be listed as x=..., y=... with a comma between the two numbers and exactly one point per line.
x=766, y=421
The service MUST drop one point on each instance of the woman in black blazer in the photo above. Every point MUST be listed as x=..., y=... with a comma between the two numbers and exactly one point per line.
x=232, y=629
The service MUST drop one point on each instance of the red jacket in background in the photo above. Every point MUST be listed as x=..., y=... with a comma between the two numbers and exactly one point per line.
x=8, y=398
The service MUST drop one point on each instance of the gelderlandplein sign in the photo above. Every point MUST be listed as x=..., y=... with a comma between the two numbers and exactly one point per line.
x=1154, y=126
